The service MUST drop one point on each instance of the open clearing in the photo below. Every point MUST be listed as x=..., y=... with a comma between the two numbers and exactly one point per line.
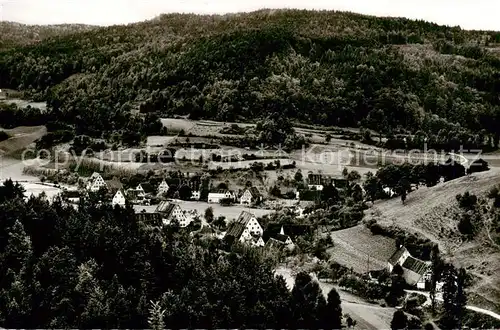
x=432, y=213
x=21, y=138
x=23, y=103
x=159, y=141
x=13, y=169
x=356, y=247
x=176, y=125
x=367, y=316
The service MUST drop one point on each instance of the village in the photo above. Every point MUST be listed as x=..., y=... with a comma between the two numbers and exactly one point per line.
x=180, y=202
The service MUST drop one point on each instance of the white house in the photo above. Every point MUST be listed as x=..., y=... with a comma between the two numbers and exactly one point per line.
x=171, y=212
x=140, y=191
x=415, y=271
x=216, y=197
x=163, y=188
x=246, y=229
x=251, y=195
x=118, y=199
x=96, y=182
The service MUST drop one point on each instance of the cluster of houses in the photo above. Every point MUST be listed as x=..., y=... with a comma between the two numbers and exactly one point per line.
x=250, y=196
x=245, y=230
x=141, y=194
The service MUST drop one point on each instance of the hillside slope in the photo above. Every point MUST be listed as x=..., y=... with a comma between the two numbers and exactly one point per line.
x=17, y=34
x=433, y=213
x=350, y=249
x=330, y=68
x=20, y=138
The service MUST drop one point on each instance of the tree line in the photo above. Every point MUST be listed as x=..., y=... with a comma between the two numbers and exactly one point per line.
x=386, y=74
x=102, y=267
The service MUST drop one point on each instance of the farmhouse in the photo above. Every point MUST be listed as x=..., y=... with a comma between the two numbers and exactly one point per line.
x=163, y=188
x=118, y=199
x=280, y=240
x=96, y=182
x=246, y=229
x=136, y=197
x=171, y=212
x=216, y=197
x=415, y=271
x=145, y=189
x=251, y=196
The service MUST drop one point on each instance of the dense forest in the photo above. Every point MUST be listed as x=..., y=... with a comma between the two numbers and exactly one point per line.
x=331, y=68
x=104, y=267
x=16, y=34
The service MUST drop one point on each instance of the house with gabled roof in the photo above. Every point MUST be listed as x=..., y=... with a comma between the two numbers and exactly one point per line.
x=246, y=229
x=216, y=197
x=163, y=188
x=119, y=199
x=172, y=211
x=415, y=271
x=280, y=241
x=145, y=189
x=96, y=182
x=251, y=196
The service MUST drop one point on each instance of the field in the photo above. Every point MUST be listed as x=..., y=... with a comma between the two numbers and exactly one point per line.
x=357, y=248
x=155, y=141
x=21, y=137
x=13, y=169
x=432, y=213
x=176, y=125
x=246, y=163
x=23, y=103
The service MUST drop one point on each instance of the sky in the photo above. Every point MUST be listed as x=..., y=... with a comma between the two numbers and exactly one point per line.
x=469, y=14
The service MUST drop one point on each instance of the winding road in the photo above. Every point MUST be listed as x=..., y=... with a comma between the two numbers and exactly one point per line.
x=469, y=307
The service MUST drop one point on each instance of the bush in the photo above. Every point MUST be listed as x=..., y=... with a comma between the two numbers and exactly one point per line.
x=376, y=229
x=467, y=226
x=467, y=200
x=3, y=136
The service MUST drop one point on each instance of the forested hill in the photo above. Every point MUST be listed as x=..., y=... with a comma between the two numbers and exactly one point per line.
x=14, y=34
x=332, y=68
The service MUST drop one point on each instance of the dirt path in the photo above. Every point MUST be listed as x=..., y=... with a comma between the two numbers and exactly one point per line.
x=469, y=307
